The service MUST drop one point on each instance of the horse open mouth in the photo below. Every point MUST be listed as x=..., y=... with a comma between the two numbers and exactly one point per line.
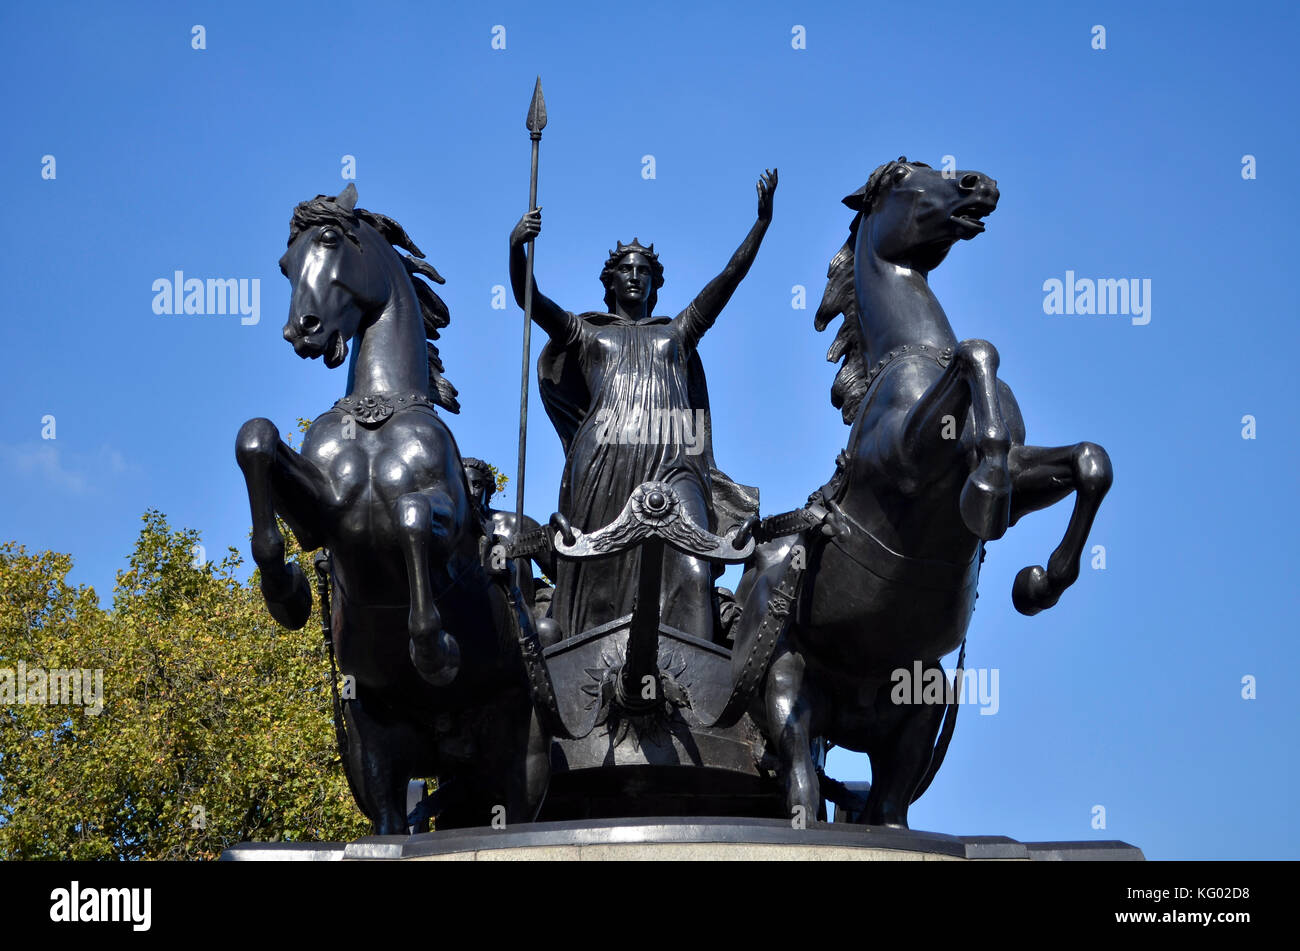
x=968, y=218
x=336, y=350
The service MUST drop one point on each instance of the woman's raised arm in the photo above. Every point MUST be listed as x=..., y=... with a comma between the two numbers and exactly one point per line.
x=550, y=316
x=700, y=314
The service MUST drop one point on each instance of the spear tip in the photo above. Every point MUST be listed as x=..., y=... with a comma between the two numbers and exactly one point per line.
x=537, y=109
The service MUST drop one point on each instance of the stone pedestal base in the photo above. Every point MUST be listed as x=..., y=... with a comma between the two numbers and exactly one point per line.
x=686, y=839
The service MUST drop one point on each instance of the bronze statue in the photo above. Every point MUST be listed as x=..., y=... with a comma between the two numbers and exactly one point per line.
x=631, y=697
x=879, y=572
x=627, y=395
x=424, y=633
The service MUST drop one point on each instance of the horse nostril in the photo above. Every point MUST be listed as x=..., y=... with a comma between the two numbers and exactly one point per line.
x=969, y=181
x=308, y=323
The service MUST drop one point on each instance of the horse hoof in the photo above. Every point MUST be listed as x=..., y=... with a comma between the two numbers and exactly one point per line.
x=293, y=609
x=439, y=662
x=985, y=502
x=1031, y=592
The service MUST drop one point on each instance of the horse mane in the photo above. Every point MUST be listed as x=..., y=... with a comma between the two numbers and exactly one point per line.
x=325, y=209
x=840, y=300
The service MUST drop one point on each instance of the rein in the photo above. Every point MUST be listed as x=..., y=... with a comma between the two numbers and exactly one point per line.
x=324, y=566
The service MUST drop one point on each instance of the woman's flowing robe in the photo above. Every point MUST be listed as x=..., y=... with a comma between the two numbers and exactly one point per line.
x=629, y=401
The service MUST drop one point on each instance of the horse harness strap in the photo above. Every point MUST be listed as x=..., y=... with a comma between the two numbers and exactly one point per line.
x=787, y=523
x=942, y=357
x=865, y=549
x=372, y=410
x=869, y=552
x=530, y=652
x=536, y=542
x=776, y=619
x=946, y=731
x=781, y=605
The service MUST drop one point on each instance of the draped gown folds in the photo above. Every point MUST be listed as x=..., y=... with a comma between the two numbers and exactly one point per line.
x=629, y=401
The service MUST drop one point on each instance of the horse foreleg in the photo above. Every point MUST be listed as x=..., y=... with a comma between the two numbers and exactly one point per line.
x=931, y=436
x=425, y=528
x=274, y=472
x=537, y=768
x=512, y=765
x=789, y=704
x=901, y=751
x=1042, y=476
x=379, y=761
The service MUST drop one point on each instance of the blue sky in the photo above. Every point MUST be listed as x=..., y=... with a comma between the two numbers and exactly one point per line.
x=1117, y=163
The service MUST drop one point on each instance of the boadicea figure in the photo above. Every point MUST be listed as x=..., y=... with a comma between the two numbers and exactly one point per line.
x=626, y=392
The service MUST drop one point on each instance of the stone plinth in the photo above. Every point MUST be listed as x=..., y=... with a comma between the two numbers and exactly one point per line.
x=685, y=839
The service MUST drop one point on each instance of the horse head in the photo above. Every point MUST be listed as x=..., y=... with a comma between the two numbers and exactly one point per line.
x=347, y=272
x=336, y=283
x=913, y=214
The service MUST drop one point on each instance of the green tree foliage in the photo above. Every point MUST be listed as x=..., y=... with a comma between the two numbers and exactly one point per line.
x=501, y=478
x=216, y=724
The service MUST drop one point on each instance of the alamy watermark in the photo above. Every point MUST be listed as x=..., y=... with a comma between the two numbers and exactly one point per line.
x=38, y=686
x=1125, y=297
x=73, y=904
x=216, y=295
x=658, y=427
x=978, y=685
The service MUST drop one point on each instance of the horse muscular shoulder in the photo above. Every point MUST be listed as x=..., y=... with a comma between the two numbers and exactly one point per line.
x=413, y=451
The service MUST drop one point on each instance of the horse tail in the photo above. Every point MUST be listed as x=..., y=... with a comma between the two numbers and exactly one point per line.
x=946, y=731
x=840, y=299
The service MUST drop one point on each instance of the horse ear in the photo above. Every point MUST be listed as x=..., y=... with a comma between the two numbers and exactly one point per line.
x=858, y=200
x=348, y=197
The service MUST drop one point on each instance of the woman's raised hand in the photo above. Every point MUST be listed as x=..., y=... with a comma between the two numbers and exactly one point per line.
x=766, y=187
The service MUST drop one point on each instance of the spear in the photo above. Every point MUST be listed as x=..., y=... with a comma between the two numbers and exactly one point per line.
x=535, y=123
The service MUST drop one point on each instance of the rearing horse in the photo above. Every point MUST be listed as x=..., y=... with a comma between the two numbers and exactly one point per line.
x=417, y=620
x=936, y=465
